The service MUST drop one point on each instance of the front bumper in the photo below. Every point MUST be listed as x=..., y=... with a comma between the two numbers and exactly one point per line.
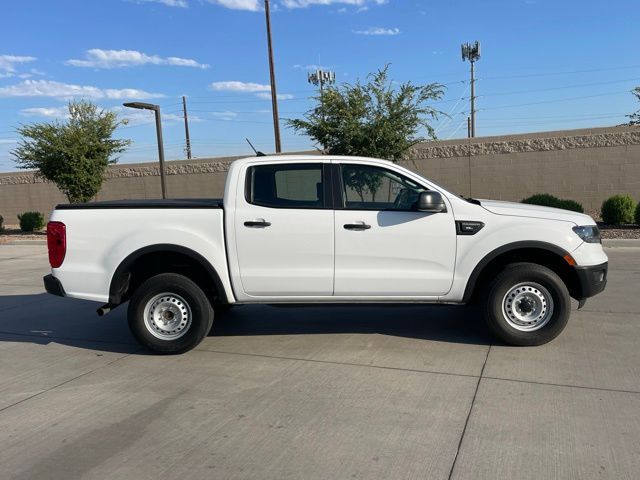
x=53, y=286
x=592, y=279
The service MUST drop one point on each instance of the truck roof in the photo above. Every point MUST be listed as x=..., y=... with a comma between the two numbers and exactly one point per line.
x=307, y=157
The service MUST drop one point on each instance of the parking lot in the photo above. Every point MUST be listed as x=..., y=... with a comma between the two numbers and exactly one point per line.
x=306, y=393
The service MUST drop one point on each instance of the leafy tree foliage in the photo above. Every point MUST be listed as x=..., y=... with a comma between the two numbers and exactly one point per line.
x=73, y=154
x=634, y=118
x=374, y=119
x=363, y=180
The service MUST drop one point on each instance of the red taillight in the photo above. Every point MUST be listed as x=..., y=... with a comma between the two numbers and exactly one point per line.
x=57, y=243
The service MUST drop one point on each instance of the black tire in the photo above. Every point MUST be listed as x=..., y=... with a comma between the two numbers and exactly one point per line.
x=198, y=321
x=515, y=275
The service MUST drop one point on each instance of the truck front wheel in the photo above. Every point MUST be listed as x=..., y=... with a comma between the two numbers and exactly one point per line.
x=527, y=304
x=170, y=314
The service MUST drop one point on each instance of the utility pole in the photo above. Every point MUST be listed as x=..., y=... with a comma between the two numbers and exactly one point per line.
x=471, y=52
x=272, y=77
x=186, y=127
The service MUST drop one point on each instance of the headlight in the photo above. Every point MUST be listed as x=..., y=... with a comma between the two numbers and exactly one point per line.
x=588, y=233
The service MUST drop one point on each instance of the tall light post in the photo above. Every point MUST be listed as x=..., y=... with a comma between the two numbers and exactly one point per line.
x=471, y=52
x=156, y=110
x=272, y=77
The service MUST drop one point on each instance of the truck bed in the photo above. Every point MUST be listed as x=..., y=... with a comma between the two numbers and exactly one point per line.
x=146, y=203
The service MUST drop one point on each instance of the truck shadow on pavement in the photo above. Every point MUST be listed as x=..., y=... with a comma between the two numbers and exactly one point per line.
x=44, y=319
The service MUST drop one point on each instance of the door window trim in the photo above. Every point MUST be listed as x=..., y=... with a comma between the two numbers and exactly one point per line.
x=326, y=179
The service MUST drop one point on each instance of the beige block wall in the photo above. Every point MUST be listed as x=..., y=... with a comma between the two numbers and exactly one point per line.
x=587, y=165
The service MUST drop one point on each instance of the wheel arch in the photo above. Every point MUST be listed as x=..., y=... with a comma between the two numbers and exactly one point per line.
x=142, y=264
x=542, y=253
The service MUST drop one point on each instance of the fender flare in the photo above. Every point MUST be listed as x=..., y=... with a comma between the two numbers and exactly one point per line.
x=120, y=278
x=473, y=278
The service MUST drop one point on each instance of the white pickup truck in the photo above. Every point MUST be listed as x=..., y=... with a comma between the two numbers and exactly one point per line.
x=324, y=229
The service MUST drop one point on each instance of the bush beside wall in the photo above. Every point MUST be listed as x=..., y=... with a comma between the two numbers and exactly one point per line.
x=618, y=210
x=546, y=200
x=31, y=221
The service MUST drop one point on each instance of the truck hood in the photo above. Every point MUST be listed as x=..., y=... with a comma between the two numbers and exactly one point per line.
x=535, y=211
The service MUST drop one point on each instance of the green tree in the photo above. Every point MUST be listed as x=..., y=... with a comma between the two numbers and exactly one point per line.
x=634, y=118
x=374, y=119
x=363, y=180
x=73, y=154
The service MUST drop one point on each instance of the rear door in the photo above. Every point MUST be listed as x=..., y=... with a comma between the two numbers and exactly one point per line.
x=284, y=230
x=384, y=247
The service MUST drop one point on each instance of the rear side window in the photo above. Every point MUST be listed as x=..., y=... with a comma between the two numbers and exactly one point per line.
x=293, y=185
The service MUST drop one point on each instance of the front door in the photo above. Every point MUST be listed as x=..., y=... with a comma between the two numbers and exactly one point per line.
x=384, y=247
x=284, y=231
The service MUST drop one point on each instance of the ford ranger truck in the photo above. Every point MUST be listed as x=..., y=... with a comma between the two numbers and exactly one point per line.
x=324, y=229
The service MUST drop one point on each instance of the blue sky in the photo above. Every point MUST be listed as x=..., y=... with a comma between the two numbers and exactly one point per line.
x=545, y=65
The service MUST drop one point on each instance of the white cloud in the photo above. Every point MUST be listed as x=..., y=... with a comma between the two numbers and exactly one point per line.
x=256, y=5
x=281, y=96
x=237, y=86
x=378, y=31
x=98, y=58
x=308, y=3
x=8, y=64
x=48, y=112
x=47, y=88
x=260, y=90
x=251, y=5
x=168, y=3
x=312, y=67
x=226, y=115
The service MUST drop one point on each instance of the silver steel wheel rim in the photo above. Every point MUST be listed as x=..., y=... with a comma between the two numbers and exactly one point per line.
x=167, y=316
x=527, y=306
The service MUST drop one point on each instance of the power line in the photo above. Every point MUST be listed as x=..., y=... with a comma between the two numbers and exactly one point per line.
x=554, y=101
x=579, y=85
x=571, y=72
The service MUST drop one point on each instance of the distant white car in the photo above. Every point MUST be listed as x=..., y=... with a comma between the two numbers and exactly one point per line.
x=324, y=229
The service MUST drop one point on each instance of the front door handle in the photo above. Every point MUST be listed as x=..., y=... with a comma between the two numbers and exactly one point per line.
x=257, y=224
x=357, y=226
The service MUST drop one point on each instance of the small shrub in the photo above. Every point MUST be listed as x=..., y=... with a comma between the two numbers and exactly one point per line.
x=571, y=205
x=618, y=209
x=546, y=200
x=1, y=224
x=31, y=221
x=637, y=215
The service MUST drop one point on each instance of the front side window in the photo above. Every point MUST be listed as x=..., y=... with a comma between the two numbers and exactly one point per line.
x=293, y=185
x=374, y=188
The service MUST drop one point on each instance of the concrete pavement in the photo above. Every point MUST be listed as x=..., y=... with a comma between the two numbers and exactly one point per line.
x=306, y=393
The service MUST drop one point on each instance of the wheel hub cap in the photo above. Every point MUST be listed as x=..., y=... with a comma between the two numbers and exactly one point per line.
x=167, y=316
x=527, y=306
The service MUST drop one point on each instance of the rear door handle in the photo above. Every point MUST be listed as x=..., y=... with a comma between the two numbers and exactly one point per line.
x=257, y=224
x=357, y=226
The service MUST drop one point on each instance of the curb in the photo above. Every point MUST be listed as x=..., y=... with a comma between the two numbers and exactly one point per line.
x=621, y=243
x=24, y=242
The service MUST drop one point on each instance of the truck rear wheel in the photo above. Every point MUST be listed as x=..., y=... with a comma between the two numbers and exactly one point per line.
x=170, y=314
x=527, y=304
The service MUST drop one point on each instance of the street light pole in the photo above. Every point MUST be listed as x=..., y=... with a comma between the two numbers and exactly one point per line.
x=156, y=110
x=272, y=77
x=163, y=179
